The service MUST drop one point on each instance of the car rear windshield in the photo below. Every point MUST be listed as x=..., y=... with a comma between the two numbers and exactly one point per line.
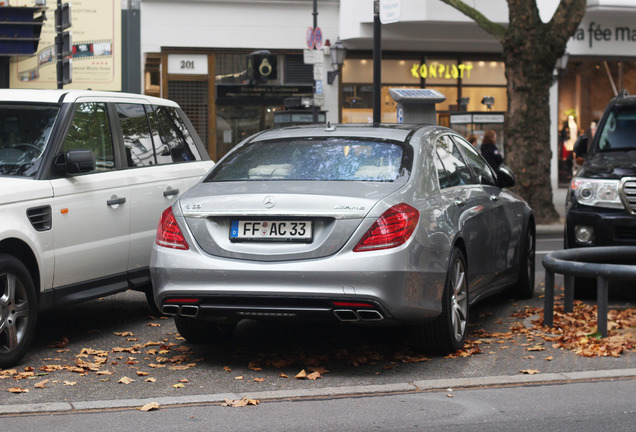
x=314, y=160
x=619, y=130
x=24, y=132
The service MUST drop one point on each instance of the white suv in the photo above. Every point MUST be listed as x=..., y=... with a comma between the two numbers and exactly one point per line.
x=84, y=178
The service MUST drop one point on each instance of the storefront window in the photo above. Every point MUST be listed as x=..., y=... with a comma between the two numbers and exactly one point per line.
x=452, y=77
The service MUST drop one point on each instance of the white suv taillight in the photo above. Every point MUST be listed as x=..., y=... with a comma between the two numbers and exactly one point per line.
x=392, y=229
x=168, y=233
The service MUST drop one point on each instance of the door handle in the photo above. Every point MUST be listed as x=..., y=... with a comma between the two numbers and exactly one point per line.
x=494, y=198
x=170, y=192
x=116, y=201
x=459, y=202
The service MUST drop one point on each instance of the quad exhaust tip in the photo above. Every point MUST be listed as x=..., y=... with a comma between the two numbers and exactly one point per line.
x=184, y=310
x=350, y=315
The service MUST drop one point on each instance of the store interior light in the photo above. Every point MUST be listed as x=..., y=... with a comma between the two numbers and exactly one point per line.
x=338, y=53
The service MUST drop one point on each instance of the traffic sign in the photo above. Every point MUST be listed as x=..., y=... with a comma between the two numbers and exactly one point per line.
x=318, y=38
x=311, y=38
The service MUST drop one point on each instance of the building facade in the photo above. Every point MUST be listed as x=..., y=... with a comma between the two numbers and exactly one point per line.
x=241, y=66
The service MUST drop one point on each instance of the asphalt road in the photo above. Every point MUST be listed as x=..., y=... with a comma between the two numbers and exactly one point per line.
x=265, y=358
x=566, y=407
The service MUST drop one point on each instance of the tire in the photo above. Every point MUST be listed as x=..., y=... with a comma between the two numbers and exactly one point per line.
x=447, y=333
x=18, y=310
x=524, y=289
x=201, y=331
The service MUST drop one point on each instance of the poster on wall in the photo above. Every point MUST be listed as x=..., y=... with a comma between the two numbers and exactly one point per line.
x=96, y=39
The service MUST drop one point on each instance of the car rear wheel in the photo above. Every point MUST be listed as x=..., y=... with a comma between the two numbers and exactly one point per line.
x=18, y=310
x=447, y=333
x=524, y=288
x=201, y=331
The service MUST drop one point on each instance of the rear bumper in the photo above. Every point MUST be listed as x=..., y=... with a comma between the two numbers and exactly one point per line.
x=357, y=287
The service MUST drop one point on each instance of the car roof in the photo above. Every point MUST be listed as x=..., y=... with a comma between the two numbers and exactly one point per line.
x=70, y=96
x=397, y=132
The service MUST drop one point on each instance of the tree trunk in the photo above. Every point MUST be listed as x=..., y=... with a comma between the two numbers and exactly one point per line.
x=531, y=49
x=527, y=139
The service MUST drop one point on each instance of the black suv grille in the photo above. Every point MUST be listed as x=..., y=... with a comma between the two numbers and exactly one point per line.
x=40, y=217
x=629, y=194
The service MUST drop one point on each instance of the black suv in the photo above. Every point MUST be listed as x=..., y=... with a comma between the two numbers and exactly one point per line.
x=601, y=204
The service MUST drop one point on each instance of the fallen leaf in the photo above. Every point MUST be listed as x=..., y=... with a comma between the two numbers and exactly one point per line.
x=141, y=373
x=259, y=379
x=179, y=385
x=529, y=371
x=301, y=375
x=549, y=358
x=42, y=384
x=17, y=390
x=151, y=380
x=240, y=402
x=150, y=407
x=70, y=383
x=125, y=380
x=238, y=377
x=313, y=376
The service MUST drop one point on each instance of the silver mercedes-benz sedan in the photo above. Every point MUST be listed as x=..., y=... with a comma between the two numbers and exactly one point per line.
x=388, y=224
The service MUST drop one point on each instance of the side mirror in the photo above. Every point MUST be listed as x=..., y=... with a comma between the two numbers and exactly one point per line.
x=76, y=161
x=505, y=177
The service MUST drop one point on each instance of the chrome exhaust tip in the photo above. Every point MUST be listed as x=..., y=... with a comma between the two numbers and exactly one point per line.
x=189, y=311
x=170, y=310
x=346, y=315
x=369, y=315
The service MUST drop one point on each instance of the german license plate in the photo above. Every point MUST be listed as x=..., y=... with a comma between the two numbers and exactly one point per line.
x=268, y=230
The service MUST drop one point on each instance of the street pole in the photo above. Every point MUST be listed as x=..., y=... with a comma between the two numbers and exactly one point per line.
x=377, y=62
x=315, y=107
x=59, y=45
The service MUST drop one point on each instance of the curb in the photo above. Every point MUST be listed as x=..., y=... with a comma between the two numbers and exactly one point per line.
x=347, y=391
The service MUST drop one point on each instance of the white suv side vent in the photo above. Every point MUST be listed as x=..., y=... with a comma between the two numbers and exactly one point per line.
x=40, y=217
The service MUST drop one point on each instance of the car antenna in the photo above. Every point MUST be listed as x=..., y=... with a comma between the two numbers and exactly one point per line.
x=329, y=127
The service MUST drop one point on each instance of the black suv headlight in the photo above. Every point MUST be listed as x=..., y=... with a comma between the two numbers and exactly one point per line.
x=597, y=193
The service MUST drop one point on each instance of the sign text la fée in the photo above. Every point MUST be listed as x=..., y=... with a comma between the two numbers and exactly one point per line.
x=440, y=70
x=596, y=35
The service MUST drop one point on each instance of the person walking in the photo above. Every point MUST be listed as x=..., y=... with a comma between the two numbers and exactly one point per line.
x=489, y=149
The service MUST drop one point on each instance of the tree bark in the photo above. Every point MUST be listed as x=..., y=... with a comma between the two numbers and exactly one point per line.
x=531, y=49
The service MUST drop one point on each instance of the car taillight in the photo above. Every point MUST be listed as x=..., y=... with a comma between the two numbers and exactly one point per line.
x=392, y=229
x=168, y=233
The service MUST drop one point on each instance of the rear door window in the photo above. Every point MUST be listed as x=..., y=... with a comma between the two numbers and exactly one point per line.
x=173, y=141
x=137, y=136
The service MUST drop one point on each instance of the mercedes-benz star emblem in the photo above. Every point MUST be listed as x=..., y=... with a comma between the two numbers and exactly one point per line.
x=269, y=201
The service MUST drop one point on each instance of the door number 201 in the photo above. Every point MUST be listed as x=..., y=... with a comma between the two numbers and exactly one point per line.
x=187, y=64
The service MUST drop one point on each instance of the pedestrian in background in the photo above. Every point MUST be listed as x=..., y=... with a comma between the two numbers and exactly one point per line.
x=472, y=139
x=489, y=149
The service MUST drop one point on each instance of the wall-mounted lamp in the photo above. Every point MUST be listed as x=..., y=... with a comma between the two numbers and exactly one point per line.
x=338, y=53
x=489, y=101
